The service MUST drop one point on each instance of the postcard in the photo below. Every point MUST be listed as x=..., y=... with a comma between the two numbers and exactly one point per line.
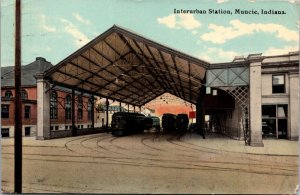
x=150, y=97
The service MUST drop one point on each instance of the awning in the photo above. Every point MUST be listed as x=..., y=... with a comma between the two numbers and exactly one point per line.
x=127, y=67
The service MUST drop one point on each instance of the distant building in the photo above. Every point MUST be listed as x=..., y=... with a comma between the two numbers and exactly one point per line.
x=148, y=112
x=101, y=113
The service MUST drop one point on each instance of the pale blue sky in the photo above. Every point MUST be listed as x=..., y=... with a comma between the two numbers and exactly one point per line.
x=54, y=29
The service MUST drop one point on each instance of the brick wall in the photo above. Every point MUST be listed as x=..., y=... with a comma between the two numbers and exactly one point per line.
x=32, y=102
x=61, y=96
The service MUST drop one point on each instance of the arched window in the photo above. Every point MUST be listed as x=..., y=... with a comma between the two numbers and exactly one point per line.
x=90, y=109
x=24, y=95
x=68, y=107
x=53, y=105
x=79, y=108
x=8, y=94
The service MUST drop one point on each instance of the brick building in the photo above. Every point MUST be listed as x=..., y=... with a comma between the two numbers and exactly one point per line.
x=60, y=103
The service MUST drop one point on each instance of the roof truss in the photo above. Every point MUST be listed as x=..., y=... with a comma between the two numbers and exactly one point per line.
x=127, y=67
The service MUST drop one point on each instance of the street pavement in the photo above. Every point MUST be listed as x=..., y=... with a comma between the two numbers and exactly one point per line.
x=153, y=163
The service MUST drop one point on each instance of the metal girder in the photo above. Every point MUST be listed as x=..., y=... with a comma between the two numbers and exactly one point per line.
x=74, y=128
x=79, y=51
x=232, y=76
x=157, y=94
x=103, y=55
x=137, y=101
x=99, y=87
x=63, y=106
x=166, y=74
x=93, y=111
x=189, y=64
x=105, y=67
x=152, y=55
x=153, y=98
x=150, y=64
x=86, y=81
x=124, y=87
x=160, y=47
x=111, y=82
x=167, y=68
x=174, y=61
x=134, y=80
x=149, y=70
x=82, y=90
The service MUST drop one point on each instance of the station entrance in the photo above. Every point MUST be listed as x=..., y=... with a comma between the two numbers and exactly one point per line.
x=122, y=66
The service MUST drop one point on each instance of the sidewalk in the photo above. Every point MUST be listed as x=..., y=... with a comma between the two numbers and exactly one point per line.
x=221, y=142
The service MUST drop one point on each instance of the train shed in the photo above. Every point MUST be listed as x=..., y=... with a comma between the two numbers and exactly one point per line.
x=126, y=67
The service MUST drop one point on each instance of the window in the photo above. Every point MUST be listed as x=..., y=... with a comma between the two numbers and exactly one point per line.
x=24, y=95
x=278, y=84
x=5, y=132
x=8, y=94
x=90, y=109
x=268, y=111
x=79, y=108
x=53, y=105
x=215, y=92
x=282, y=111
x=5, y=111
x=274, y=121
x=68, y=107
x=27, y=131
x=208, y=90
x=27, y=112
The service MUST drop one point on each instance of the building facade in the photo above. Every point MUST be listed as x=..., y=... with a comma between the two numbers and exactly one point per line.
x=29, y=110
x=265, y=92
x=280, y=96
x=60, y=102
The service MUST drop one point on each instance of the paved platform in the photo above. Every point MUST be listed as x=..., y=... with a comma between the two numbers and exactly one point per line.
x=221, y=142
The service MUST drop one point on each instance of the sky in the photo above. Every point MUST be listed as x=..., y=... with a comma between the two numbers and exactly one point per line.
x=54, y=29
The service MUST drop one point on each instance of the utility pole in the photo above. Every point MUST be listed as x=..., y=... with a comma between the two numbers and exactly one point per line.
x=18, y=101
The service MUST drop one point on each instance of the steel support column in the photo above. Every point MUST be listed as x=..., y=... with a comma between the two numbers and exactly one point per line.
x=74, y=128
x=200, y=112
x=93, y=111
x=120, y=107
x=107, y=104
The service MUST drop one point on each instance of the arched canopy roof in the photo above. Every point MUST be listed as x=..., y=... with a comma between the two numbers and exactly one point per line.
x=127, y=67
